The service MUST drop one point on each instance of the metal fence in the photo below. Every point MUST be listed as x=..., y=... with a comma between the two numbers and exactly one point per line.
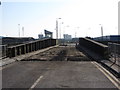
x=114, y=53
x=32, y=46
x=28, y=47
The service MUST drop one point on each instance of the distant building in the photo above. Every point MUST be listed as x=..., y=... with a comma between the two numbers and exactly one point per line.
x=75, y=40
x=16, y=40
x=67, y=37
x=40, y=36
x=48, y=34
x=108, y=38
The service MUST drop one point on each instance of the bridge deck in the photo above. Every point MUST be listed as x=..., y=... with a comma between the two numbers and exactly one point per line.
x=56, y=68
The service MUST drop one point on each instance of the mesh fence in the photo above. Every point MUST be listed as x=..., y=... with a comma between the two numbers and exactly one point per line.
x=114, y=52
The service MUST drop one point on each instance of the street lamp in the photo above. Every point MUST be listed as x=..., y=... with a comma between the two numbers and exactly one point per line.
x=23, y=31
x=101, y=31
x=57, y=27
x=60, y=28
x=19, y=30
x=76, y=28
x=64, y=28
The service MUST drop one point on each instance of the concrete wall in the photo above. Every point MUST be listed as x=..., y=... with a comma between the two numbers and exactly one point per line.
x=94, y=46
x=30, y=47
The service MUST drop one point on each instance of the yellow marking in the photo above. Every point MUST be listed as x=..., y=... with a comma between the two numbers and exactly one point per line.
x=114, y=80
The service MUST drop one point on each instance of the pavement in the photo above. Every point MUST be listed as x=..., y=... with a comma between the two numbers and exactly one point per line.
x=8, y=60
x=54, y=73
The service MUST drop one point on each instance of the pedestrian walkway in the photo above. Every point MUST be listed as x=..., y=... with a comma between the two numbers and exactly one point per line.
x=18, y=58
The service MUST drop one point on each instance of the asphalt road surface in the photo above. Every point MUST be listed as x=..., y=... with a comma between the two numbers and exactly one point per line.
x=62, y=67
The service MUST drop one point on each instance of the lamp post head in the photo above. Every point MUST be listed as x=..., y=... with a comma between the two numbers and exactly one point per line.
x=100, y=24
x=58, y=18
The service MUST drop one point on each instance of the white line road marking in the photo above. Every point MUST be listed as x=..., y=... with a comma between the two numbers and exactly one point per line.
x=36, y=82
x=112, y=78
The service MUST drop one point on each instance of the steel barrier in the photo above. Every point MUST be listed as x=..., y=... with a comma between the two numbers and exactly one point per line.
x=30, y=47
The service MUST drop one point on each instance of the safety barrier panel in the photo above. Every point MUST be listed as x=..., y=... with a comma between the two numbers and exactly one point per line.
x=94, y=46
x=30, y=47
x=114, y=52
x=114, y=48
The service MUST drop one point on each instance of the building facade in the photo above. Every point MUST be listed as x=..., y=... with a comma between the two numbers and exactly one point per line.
x=108, y=38
x=67, y=37
x=40, y=36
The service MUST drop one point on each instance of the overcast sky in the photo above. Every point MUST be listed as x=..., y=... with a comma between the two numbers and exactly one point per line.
x=78, y=16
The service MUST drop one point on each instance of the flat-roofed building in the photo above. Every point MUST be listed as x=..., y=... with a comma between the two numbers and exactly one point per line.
x=40, y=36
x=67, y=37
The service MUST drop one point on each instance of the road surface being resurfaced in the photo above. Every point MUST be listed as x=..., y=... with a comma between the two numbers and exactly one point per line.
x=60, y=67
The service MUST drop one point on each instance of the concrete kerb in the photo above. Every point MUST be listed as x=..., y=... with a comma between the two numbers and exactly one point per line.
x=7, y=61
x=114, y=69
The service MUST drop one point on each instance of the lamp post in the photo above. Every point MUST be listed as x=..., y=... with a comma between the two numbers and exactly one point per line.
x=60, y=28
x=77, y=29
x=19, y=30
x=23, y=31
x=57, y=27
x=64, y=28
x=101, y=31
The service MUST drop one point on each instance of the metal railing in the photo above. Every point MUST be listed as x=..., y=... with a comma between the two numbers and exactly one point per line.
x=16, y=50
x=114, y=53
